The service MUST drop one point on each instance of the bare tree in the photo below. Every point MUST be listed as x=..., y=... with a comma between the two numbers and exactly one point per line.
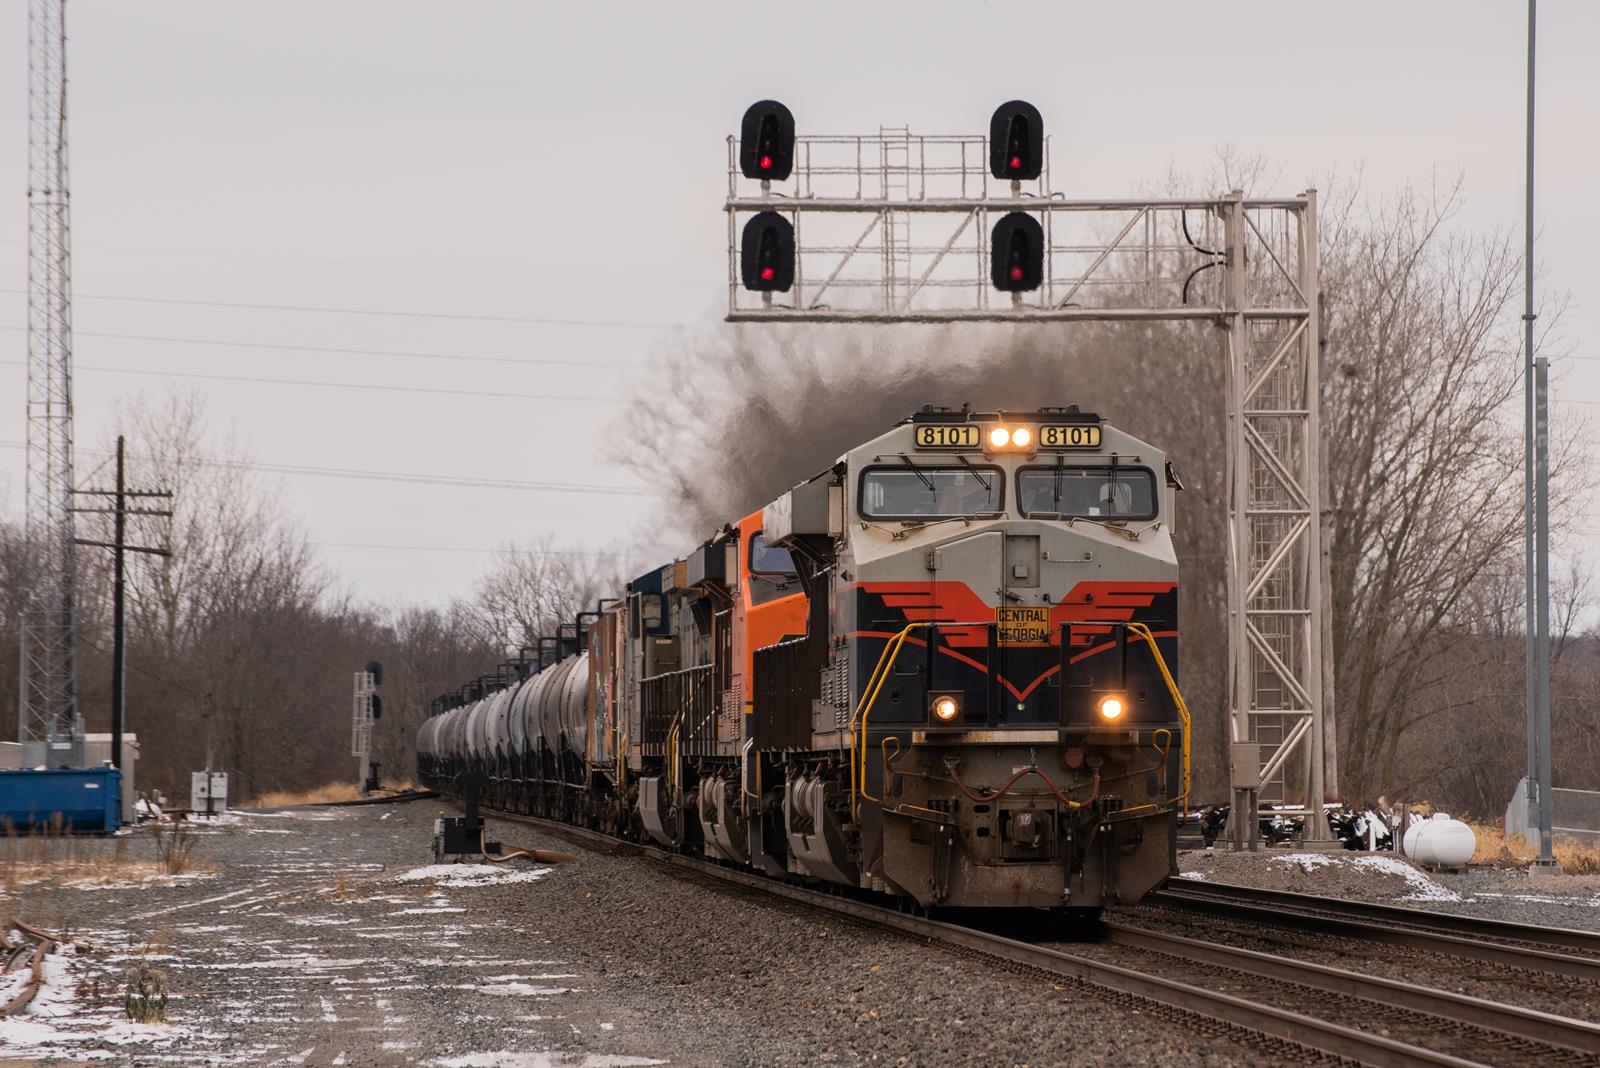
x=1425, y=462
x=529, y=590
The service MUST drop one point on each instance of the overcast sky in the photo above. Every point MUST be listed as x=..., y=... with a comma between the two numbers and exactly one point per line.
x=507, y=163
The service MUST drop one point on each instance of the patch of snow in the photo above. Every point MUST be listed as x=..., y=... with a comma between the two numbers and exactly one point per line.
x=517, y=1059
x=1198, y=875
x=112, y=882
x=424, y=912
x=515, y=989
x=1421, y=888
x=471, y=875
x=1307, y=862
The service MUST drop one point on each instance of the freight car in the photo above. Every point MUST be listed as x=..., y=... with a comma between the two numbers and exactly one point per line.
x=944, y=669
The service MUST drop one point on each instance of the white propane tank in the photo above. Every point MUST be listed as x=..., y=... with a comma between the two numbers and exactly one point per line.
x=1409, y=842
x=1441, y=842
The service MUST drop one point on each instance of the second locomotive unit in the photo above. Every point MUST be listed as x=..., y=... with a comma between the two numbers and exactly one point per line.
x=944, y=669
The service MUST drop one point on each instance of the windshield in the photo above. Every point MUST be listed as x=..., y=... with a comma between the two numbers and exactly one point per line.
x=931, y=492
x=1087, y=492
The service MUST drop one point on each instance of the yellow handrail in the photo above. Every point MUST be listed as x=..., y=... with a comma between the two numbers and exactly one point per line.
x=1177, y=699
x=869, y=697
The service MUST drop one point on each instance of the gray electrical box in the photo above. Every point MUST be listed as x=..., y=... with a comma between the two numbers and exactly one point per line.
x=1245, y=761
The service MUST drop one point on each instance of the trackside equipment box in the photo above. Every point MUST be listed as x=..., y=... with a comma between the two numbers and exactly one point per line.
x=81, y=800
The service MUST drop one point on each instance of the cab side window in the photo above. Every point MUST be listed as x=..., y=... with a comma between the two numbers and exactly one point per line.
x=771, y=569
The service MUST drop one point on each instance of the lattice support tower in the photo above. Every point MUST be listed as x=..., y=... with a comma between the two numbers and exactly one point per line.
x=48, y=722
x=894, y=228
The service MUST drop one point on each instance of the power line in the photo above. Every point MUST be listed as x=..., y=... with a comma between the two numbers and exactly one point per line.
x=435, y=390
x=448, y=549
x=442, y=268
x=362, y=474
x=530, y=361
x=362, y=311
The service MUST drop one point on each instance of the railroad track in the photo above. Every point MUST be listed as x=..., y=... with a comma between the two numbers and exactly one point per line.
x=1554, y=950
x=1475, y=1026
x=1515, y=1035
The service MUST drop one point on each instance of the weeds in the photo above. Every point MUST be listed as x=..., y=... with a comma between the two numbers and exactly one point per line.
x=1499, y=849
x=174, y=847
x=145, y=999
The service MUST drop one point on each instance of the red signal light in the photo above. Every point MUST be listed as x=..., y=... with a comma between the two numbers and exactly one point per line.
x=1016, y=163
x=765, y=162
x=1016, y=274
x=767, y=274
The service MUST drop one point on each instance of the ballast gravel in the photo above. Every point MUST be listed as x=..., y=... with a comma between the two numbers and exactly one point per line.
x=1512, y=894
x=324, y=937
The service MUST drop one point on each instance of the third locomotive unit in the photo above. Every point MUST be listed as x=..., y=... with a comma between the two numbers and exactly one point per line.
x=944, y=669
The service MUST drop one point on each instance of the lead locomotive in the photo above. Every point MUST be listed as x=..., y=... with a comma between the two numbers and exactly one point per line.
x=945, y=669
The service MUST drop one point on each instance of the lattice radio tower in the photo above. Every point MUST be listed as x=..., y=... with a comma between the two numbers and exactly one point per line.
x=48, y=724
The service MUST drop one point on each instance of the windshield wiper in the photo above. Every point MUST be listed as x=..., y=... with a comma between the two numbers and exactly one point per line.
x=926, y=481
x=1061, y=466
x=976, y=474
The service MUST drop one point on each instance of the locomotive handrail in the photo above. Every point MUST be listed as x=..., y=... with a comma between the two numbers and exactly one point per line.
x=869, y=695
x=1177, y=699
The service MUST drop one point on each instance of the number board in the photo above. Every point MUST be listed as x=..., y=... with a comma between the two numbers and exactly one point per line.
x=946, y=436
x=1069, y=436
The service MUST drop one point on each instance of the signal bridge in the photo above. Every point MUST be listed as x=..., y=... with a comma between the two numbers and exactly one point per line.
x=899, y=227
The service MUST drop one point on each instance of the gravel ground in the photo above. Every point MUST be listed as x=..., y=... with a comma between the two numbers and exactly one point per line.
x=320, y=937
x=1512, y=894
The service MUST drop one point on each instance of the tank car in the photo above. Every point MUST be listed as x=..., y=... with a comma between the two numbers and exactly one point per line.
x=945, y=670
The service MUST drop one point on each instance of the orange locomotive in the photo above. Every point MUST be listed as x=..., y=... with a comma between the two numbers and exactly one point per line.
x=945, y=669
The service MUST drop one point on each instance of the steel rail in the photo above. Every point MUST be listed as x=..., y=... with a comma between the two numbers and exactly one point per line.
x=1270, y=1021
x=1543, y=1027
x=1319, y=914
x=1587, y=942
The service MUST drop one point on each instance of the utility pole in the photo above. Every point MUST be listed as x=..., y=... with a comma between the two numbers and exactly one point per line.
x=119, y=549
x=1536, y=500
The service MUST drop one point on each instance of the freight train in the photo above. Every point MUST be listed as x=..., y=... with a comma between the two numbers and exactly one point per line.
x=943, y=669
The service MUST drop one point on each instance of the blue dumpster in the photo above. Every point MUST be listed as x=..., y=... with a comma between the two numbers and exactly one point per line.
x=81, y=800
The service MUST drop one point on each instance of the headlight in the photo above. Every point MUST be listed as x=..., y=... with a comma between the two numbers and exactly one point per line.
x=1110, y=707
x=1021, y=436
x=946, y=708
x=999, y=437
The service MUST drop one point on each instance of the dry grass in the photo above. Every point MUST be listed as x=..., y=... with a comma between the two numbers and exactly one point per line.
x=56, y=858
x=1512, y=851
x=321, y=795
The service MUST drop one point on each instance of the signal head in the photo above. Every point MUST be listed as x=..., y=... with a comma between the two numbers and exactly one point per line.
x=766, y=253
x=1016, y=142
x=1017, y=249
x=766, y=142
